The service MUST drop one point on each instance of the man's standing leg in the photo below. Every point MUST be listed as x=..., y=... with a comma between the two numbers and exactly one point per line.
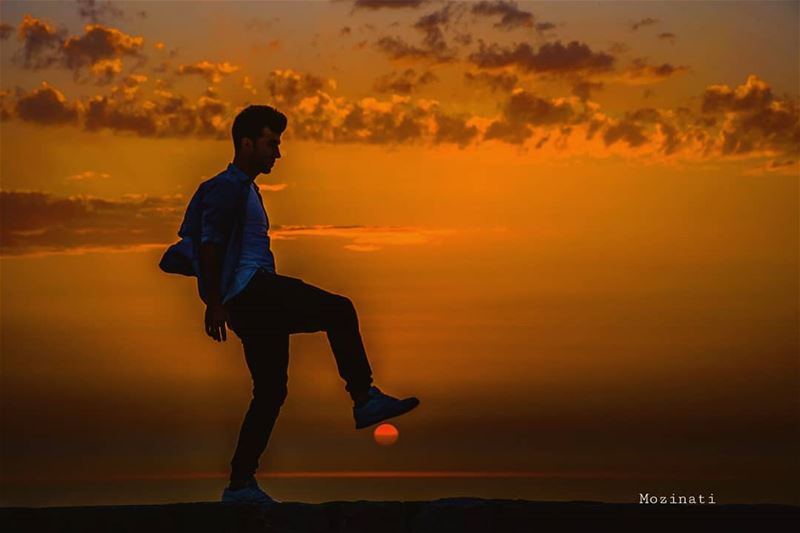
x=267, y=355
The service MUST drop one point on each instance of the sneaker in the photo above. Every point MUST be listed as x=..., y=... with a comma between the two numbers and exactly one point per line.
x=381, y=407
x=250, y=493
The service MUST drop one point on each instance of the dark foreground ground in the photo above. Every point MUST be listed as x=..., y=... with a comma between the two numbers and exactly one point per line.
x=439, y=516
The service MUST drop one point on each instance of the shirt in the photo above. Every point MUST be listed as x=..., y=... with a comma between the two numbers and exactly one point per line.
x=255, y=252
x=215, y=214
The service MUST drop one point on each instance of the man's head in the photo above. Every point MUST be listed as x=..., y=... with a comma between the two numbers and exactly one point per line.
x=256, y=134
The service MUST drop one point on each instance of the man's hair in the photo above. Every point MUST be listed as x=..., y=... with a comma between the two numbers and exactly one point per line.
x=251, y=120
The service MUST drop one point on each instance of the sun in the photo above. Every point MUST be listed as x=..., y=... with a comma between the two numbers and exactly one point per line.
x=386, y=434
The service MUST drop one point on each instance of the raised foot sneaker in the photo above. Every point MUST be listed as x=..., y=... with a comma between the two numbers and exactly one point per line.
x=381, y=407
x=250, y=493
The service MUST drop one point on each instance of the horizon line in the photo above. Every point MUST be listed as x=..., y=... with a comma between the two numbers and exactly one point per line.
x=368, y=474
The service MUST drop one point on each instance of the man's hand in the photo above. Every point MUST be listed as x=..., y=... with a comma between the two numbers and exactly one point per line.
x=216, y=316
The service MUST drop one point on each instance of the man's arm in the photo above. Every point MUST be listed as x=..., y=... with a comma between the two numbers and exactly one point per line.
x=211, y=268
x=219, y=203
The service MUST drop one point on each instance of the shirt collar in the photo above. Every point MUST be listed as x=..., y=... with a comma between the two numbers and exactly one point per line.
x=238, y=173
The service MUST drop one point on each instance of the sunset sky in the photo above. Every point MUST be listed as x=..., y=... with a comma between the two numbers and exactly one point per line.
x=569, y=228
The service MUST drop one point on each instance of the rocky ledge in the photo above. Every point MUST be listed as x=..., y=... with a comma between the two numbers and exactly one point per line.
x=462, y=515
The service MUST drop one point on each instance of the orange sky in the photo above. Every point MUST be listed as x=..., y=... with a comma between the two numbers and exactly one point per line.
x=570, y=228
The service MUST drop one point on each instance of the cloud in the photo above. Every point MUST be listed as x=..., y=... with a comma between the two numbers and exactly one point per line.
x=365, y=238
x=95, y=11
x=667, y=36
x=88, y=175
x=5, y=31
x=272, y=187
x=211, y=72
x=100, y=48
x=524, y=110
x=39, y=222
x=640, y=73
x=454, y=129
x=288, y=87
x=435, y=47
x=46, y=106
x=397, y=48
x=389, y=4
x=753, y=119
x=583, y=88
x=124, y=110
x=647, y=21
x=404, y=82
x=498, y=82
x=99, y=43
x=167, y=115
x=550, y=58
x=106, y=70
x=41, y=42
x=511, y=16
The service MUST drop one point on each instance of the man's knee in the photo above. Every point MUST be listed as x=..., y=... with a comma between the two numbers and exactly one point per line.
x=342, y=310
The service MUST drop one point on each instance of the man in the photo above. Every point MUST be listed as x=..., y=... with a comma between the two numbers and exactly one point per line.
x=226, y=245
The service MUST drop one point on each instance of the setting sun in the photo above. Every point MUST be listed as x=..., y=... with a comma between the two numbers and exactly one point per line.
x=386, y=434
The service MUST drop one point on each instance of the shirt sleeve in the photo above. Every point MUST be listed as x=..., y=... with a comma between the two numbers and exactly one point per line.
x=219, y=204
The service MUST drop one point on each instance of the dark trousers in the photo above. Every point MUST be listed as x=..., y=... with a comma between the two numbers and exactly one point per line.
x=263, y=316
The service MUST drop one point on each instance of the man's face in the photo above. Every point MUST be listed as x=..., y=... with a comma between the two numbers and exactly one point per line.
x=266, y=150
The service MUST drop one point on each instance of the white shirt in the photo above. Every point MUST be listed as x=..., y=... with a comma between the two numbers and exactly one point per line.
x=255, y=244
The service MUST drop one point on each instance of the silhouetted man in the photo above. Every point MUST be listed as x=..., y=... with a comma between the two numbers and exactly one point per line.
x=225, y=243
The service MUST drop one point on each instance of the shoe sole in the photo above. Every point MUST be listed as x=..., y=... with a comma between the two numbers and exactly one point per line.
x=406, y=407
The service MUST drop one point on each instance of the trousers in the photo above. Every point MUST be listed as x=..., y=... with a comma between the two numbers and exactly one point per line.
x=263, y=315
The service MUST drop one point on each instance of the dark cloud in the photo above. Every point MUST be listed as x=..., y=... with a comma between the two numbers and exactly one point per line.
x=41, y=42
x=37, y=222
x=640, y=70
x=434, y=45
x=368, y=121
x=667, y=36
x=618, y=48
x=345, y=31
x=99, y=43
x=550, y=58
x=754, y=95
x=124, y=110
x=96, y=11
x=100, y=48
x=454, y=129
x=390, y=4
x=511, y=16
x=501, y=81
x=287, y=87
x=397, y=48
x=647, y=21
x=544, y=26
x=509, y=132
x=404, y=82
x=627, y=131
x=5, y=31
x=211, y=72
x=6, y=105
x=754, y=119
x=45, y=106
x=524, y=110
x=583, y=88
